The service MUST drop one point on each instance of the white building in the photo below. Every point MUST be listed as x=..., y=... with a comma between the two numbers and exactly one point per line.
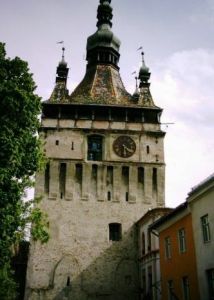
x=201, y=203
x=149, y=257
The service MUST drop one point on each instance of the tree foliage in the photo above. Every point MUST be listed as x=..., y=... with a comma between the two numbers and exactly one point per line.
x=20, y=158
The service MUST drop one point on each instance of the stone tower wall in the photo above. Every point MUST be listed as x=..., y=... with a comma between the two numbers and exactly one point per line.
x=80, y=262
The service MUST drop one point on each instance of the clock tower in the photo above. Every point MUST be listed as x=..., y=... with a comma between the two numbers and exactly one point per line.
x=105, y=170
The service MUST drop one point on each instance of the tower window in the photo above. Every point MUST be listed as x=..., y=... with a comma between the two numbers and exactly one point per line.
x=147, y=149
x=109, y=196
x=127, y=196
x=62, y=179
x=47, y=178
x=115, y=232
x=68, y=283
x=78, y=173
x=95, y=147
x=57, y=143
x=154, y=179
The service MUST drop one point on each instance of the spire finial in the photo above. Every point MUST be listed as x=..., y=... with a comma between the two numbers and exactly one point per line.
x=63, y=53
x=144, y=73
x=104, y=13
x=143, y=59
x=136, y=84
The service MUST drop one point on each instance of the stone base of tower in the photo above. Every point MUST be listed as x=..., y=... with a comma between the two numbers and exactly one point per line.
x=83, y=265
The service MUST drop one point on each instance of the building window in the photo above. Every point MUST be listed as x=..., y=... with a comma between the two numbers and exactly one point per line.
x=205, y=228
x=167, y=247
x=171, y=293
x=182, y=240
x=115, y=232
x=210, y=281
x=143, y=282
x=62, y=179
x=109, y=196
x=143, y=244
x=150, y=279
x=95, y=150
x=154, y=179
x=149, y=240
x=185, y=287
x=147, y=149
x=47, y=178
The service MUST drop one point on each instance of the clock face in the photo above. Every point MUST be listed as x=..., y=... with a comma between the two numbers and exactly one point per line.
x=124, y=146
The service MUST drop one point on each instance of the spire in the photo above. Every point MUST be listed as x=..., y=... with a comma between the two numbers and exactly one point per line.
x=103, y=46
x=62, y=70
x=136, y=93
x=104, y=13
x=144, y=74
x=145, y=97
x=60, y=91
x=102, y=83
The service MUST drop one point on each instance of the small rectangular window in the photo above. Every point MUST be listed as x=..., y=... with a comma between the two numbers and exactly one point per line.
x=143, y=281
x=115, y=232
x=150, y=279
x=154, y=179
x=47, y=178
x=57, y=143
x=62, y=179
x=210, y=281
x=149, y=241
x=168, y=247
x=127, y=196
x=171, y=293
x=205, y=228
x=182, y=240
x=95, y=147
x=185, y=287
x=147, y=149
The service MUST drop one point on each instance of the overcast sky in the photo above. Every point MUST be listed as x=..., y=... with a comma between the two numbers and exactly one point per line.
x=178, y=40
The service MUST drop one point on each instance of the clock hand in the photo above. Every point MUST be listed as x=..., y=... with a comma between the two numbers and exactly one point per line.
x=128, y=149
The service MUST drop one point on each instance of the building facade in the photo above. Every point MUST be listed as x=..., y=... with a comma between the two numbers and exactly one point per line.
x=105, y=170
x=201, y=203
x=149, y=258
x=179, y=280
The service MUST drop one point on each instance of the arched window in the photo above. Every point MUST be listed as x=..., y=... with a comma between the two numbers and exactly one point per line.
x=95, y=147
x=115, y=232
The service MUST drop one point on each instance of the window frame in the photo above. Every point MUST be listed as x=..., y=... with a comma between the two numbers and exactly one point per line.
x=205, y=229
x=113, y=235
x=210, y=283
x=167, y=246
x=170, y=289
x=186, y=287
x=98, y=153
x=182, y=240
